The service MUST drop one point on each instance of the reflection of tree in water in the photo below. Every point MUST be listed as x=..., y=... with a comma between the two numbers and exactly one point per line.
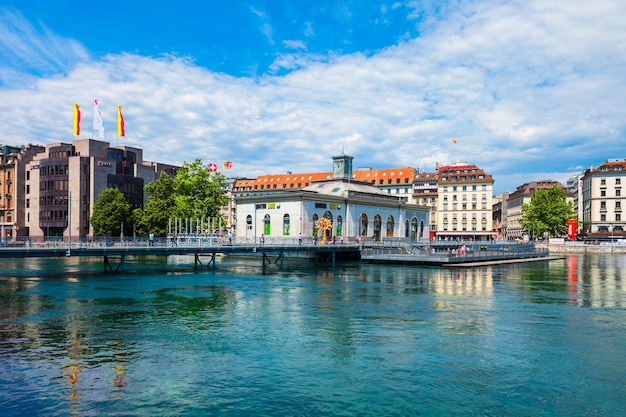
x=191, y=306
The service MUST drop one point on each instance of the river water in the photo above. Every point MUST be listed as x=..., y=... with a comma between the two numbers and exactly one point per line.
x=532, y=339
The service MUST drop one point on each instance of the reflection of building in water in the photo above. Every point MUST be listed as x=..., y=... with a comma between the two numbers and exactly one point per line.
x=462, y=281
x=597, y=280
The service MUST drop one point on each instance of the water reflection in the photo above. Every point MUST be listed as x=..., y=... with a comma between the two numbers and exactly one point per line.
x=356, y=339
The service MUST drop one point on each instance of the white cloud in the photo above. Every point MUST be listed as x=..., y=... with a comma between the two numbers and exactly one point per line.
x=528, y=89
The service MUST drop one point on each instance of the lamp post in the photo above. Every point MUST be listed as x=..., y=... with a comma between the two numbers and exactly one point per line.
x=474, y=235
x=612, y=240
x=255, y=207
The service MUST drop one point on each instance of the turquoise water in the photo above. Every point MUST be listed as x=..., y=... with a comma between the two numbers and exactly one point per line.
x=534, y=339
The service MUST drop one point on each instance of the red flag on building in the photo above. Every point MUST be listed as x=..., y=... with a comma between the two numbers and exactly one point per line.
x=212, y=167
x=76, y=119
x=120, y=121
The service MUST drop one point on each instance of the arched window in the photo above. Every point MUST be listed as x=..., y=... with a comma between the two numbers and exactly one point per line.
x=363, y=224
x=406, y=228
x=421, y=235
x=377, y=226
x=266, y=224
x=315, y=219
x=339, y=226
x=286, y=227
x=390, y=226
x=414, y=228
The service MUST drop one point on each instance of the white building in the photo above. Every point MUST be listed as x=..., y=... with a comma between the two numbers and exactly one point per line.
x=354, y=208
x=602, y=199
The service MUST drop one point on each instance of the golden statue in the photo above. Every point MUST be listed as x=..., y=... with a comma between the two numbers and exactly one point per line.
x=324, y=225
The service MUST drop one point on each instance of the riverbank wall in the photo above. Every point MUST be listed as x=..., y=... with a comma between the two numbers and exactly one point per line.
x=583, y=248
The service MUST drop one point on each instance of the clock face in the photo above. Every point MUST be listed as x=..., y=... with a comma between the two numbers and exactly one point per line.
x=338, y=166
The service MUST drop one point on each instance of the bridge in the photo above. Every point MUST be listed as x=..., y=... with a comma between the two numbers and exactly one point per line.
x=204, y=250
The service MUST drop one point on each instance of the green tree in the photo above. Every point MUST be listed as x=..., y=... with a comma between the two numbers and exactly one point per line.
x=548, y=211
x=109, y=212
x=161, y=206
x=193, y=193
x=199, y=192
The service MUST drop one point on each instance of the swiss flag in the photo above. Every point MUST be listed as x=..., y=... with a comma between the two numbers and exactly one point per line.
x=212, y=167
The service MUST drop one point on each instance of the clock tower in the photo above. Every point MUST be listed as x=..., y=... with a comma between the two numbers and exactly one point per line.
x=342, y=166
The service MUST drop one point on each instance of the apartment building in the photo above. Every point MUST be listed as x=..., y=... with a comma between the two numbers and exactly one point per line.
x=12, y=162
x=500, y=213
x=602, y=199
x=575, y=189
x=523, y=195
x=425, y=194
x=464, y=203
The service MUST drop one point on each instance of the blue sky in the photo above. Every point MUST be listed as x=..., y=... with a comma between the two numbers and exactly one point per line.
x=529, y=89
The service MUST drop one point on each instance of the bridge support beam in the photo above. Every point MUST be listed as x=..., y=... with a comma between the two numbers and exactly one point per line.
x=267, y=260
x=108, y=267
x=325, y=257
x=198, y=261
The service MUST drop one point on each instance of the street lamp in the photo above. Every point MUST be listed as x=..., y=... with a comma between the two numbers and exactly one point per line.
x=255, y=207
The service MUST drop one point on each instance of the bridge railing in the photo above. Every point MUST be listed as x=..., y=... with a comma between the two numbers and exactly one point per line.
x=181, y=240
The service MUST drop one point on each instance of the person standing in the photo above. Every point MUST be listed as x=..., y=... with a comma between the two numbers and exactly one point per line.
x=151, y=239
x=300, y=238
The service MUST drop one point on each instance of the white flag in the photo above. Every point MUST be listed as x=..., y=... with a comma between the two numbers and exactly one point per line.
x=97, y=119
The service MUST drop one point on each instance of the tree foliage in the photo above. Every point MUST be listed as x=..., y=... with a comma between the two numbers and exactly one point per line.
x=193, y=193
x=160, y=207
x=548, y=211
x=109, y=212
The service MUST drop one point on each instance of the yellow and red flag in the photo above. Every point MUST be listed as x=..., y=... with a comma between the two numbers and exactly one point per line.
x=227, y=165
x=76, y=119
x=120, y=121
x=454, y=141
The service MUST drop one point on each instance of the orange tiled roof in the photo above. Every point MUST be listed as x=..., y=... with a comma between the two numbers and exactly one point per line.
x=296, y=181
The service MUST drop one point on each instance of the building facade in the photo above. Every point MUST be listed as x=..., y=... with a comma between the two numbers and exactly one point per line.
x=12, y=167
x=62, y=183
x=464, y=203
x=354, y=208
x=523, y=195
x=602, y=199
x=425, y=194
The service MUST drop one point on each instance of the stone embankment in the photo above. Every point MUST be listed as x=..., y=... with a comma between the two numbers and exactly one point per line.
x=583, y=248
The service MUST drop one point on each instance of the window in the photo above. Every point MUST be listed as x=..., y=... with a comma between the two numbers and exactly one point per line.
x=618, y=181
x=390, y=226
x=602, y=205
x=618, y=192
x=603, y=181
x=603, y=217
x=618, y=217
x=286, y=226
x=603, y=193
x=266, y=225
